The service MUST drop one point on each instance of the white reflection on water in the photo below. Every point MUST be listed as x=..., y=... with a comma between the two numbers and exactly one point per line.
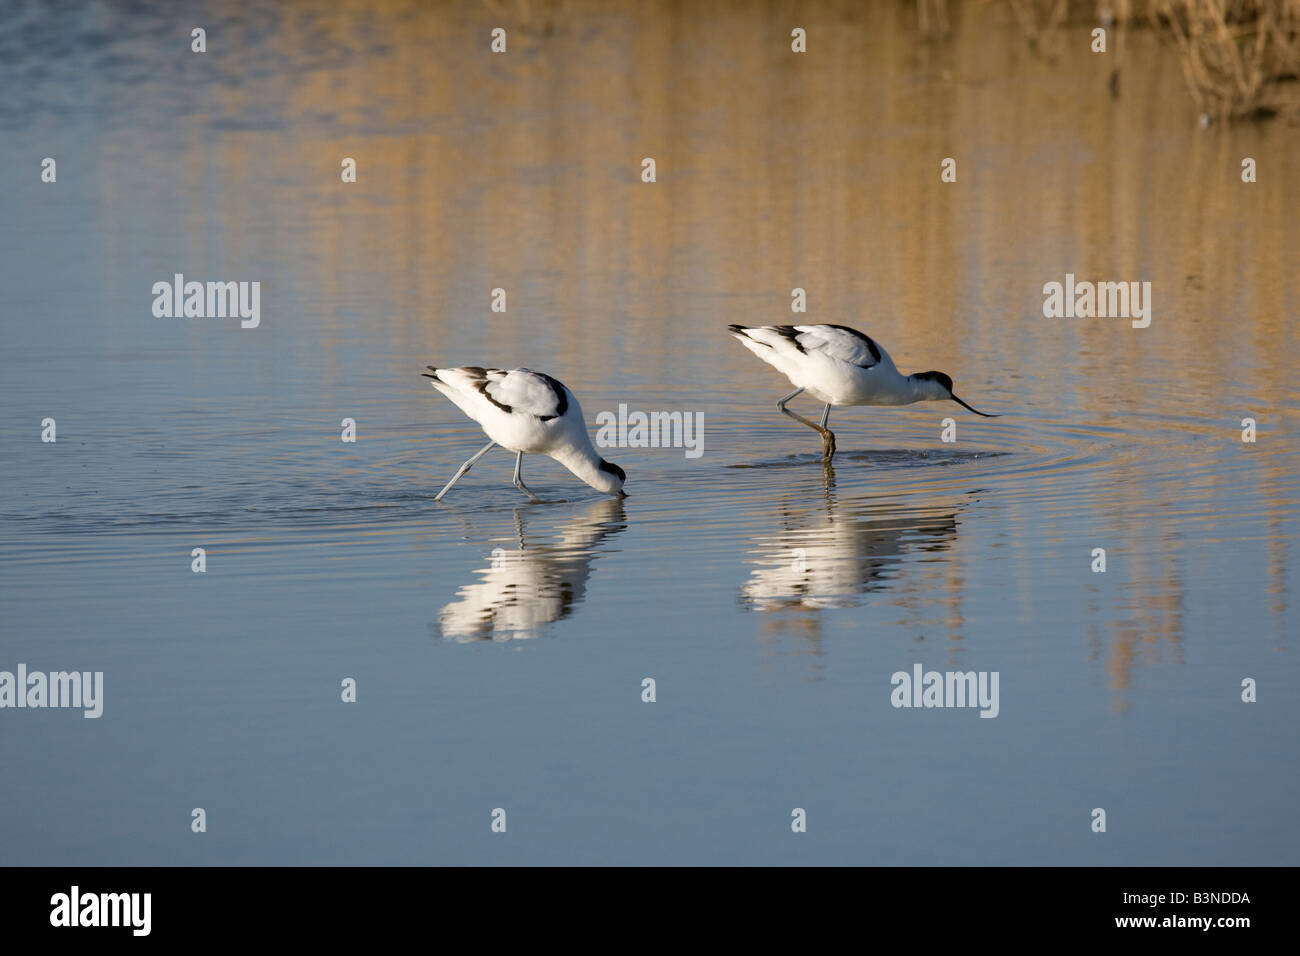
x=828, y=553
x=525, y=588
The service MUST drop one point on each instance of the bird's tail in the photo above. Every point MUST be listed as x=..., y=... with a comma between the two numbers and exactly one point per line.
x=444, y=385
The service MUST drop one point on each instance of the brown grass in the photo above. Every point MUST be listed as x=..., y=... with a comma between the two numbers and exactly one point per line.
x=1240, y=58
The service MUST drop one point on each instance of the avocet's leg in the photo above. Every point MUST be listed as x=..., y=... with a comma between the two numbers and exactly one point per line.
x=828, y=436
x=519, y=481
x=464, y=468
x=781, y=403
x=828, y=439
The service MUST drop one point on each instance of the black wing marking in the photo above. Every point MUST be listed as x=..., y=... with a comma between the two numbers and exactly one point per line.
x=561, y=399
x=872, y=347
x=479, y=377
x=481, y=384
x=790, y=334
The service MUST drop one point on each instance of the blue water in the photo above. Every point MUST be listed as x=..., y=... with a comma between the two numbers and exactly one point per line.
x=499, y=647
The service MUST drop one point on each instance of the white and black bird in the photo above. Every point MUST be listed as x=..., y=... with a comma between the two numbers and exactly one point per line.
x=840, y=366
x=526, y=412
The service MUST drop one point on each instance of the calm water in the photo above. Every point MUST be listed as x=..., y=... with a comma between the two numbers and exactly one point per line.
x=499, y=647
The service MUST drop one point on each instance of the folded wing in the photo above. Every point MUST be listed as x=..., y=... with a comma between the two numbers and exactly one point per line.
x=775, y=343
x=839, y=342
x=515, y=391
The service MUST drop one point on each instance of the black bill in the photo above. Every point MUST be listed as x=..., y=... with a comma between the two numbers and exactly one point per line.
x=975, y=410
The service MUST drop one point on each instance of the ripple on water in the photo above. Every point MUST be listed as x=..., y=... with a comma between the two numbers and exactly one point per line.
x=1067, y=467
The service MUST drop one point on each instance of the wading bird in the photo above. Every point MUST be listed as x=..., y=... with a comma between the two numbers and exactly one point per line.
x=526, y=412
x=840, y=366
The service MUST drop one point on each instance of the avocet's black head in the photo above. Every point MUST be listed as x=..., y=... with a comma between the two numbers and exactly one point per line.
x=616, y=477
x=942, y=389
x=943, y=378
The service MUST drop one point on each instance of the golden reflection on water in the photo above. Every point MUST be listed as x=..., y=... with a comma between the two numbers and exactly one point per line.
x=776, y=171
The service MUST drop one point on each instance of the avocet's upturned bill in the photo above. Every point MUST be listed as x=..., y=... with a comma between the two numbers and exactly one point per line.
x=840, y=366
x=526, y=412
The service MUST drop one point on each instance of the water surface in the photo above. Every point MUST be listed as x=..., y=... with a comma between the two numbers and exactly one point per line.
x=499, y=647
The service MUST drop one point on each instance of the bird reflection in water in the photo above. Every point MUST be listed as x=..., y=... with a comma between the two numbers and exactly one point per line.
x=523, y=589
x=829, y=553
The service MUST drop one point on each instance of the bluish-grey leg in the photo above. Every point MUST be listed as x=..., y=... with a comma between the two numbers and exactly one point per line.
x=519, y=480
x=464, y=468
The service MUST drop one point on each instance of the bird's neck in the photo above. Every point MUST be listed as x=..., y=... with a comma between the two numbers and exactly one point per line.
x=581, y=459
